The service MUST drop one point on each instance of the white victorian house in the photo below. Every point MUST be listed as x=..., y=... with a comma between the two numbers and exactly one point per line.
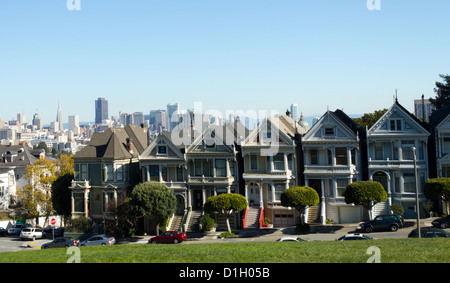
x=392, y=143
x=332, y=159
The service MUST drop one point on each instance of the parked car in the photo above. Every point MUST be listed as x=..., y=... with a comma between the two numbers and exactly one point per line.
x=98, y=240
x=62, y=242
x=2, y=231
x=442, y=223
x=389, y=222
x=168, y=237
x=15, y=230
x=354, y=236
x=32, y=233
x=290, y=239
x=429, y=232
x=58, y=232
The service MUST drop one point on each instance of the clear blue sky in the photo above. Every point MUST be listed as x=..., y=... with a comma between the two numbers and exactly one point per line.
x=226, y=54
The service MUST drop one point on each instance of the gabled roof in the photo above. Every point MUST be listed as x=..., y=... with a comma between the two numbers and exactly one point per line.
x=416, y=127
x=283, y=125
x=112, y=144
x=346, y=128
x=214, y=139
x=163, y=138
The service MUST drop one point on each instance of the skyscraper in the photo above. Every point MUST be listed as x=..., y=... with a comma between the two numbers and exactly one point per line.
x=171, y=109
x=59, y=119
x=294, y=111
x=101, y=110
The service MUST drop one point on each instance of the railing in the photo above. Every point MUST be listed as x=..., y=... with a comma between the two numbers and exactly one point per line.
x=261, y=217
x=244, y=219
x=329, y=168
x=203, y=179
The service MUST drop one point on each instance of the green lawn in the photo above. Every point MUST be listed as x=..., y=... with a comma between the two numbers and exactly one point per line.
x=391, y=251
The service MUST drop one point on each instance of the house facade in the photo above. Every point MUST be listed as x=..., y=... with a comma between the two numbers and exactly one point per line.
x=332, y=160
x=105, y=172
x=393, y=141
x=270, y=166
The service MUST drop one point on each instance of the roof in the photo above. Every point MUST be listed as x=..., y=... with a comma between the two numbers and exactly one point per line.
x=112, y=144
x=21, y=156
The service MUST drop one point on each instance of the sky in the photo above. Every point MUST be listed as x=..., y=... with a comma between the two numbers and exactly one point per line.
x=227, y=55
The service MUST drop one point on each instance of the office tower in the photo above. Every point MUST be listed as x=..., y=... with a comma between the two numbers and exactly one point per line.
x=74, y=124
x=158, y=120
x=423, y=106
x=59, y=119
x=37, y=121
x=171, y=109
x=21, y=118
x=101, y=110
x=294, y=111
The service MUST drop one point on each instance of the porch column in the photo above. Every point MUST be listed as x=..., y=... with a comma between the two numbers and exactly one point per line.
x=189, y=197
x=229, y=189
x=261, y=202
x=148, y=173
x=246, y=194
x=349, y=156
x=86, y=202
x=286, y=165
x=203, y=195
x=72, y=201
x=160, y=174
x=322, y=208
x=389, y=192
x=228, y=167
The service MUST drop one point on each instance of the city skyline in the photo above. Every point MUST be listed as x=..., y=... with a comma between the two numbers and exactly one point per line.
x=238, y=55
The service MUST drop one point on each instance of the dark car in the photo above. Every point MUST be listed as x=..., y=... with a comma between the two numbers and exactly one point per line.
x=442, y=223
x=389, y=222
x=54, y=233
x=168, y=237
x=429, y=232
x=2, y=231
x=61, y=243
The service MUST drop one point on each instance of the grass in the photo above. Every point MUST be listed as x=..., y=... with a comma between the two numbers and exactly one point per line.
x=391, y=251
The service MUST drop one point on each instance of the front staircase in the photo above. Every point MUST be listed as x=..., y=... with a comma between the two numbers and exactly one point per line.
x=314, y=214
x=194, y=221
x=252, y=218
x=177, y=222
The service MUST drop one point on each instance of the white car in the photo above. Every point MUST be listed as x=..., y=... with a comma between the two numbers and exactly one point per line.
x=354, y=236
x=291, y=239
x=32, y=233
x=15, y=230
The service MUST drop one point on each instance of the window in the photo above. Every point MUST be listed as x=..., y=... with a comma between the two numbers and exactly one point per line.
x=164, y=173
x=407, y=152
x=341, y=186
x=279, y=188
x=253, y=162
x=162, y=149
x=278, y=162
x=396, y=125
x=446, y=145
x=314, y=156
x=198, y=167
x=221, y=170
x=179, y=174
x=110, y=172
x=84, y=170
x=154, y=173
x=119, y=172
x=341, y=155
x=378, y=151
x=329, y=131
x=409, y=183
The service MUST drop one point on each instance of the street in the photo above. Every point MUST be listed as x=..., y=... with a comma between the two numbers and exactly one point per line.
x=318, y=233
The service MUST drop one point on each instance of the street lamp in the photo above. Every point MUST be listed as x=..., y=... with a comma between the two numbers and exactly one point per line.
x=417, y=193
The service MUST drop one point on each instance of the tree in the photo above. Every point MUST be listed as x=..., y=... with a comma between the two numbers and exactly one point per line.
x=36, y=197
x=365, y=193
x=438, y=188
x=369, y=119
x=61, y=194
x=226, y=205
x=299, y=198
x=154, y=200
x=442, y=91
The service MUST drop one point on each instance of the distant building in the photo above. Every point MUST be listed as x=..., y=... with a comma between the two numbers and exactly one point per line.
x=59, y=119
x=423, y=106
x=101, y=110
x=171, y=121
x=37, y=121
x=294, y=111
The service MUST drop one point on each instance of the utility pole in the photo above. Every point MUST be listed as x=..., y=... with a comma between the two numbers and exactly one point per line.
x=417, y=194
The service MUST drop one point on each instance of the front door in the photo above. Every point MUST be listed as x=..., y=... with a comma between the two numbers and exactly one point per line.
x=316, y=184
x=198, y=199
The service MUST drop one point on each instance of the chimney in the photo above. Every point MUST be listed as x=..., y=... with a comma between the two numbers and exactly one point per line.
x=130, y=145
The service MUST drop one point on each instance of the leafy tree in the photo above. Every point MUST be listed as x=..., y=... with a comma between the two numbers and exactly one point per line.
x=154, y=200
x=369, y=119
x=299, y=198
x=62, y=195
x=438, y=188
x=226, y=205
x=442, y=91
x=365, y=193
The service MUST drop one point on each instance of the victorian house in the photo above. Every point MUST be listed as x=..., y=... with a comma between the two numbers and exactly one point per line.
x=395, y=141
x=334, y=151
x=271, y=160
x=105, y=171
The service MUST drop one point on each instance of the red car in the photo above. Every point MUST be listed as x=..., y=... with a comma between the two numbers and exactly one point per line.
x=168, y=237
